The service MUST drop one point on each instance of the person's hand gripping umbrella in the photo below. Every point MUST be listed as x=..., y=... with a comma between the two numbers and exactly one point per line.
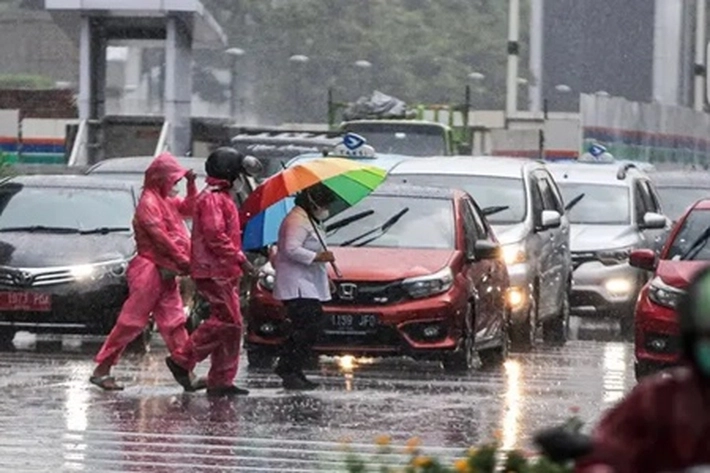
x=266, y=207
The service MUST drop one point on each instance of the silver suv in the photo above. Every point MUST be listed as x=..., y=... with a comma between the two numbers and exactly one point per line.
x=618, y=210
x=525, y=209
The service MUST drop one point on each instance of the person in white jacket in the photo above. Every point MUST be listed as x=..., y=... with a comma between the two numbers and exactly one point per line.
x=301, y=281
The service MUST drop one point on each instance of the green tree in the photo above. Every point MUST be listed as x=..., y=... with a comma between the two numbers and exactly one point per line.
x=421, y=51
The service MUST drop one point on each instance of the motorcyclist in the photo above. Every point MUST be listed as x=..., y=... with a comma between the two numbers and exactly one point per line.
x=664, y=423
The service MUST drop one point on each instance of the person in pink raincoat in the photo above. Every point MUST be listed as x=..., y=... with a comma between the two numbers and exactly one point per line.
x=163, y=247
x=217, y=265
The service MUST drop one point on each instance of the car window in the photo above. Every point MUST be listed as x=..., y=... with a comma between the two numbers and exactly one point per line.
x=692, y=227
x=643, y=193
x=478, y=220
x=556, y=195
x=428, y=224
x=469, y=226
x=655, y=201
x=602, y=204
x=538, y=204
x=675, y=200
x=79, y=208
x=488, y=191
x=548, y=198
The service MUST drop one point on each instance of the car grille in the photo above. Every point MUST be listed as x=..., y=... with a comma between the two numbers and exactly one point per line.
x=368, y=293
x=13, y=277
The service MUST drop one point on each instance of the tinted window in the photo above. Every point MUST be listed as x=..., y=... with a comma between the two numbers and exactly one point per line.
x=676, y=200
x=428, y=224
x=60, y=207
x=693, y=226
x=601, y=204
x=548, y=198
x=488, y=191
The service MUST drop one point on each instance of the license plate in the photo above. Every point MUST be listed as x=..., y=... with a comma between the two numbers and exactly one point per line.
x=25, y=302
x=352, y=323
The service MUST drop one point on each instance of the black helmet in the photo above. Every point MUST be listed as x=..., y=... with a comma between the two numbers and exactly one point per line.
x=224, y=163
x=694, y=320
x=252, y=166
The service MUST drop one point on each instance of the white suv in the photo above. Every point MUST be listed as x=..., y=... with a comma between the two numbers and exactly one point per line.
x=619, y=211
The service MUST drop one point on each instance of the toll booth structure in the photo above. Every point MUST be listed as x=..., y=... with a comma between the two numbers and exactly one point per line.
x=184, y=25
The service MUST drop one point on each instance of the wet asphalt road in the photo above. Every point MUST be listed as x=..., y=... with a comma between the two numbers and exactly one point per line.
x=52, y=419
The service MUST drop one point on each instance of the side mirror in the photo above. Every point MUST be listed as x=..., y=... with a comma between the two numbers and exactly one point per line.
x=653, y=221
x=486, y=249
x=643, y=259
x=550, y=219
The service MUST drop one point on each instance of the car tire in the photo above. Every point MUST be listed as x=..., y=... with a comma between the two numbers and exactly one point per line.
x=522, y=336
x=6, y=338
x=495, y=357
x=463, y=358
x=260, y=359
x=643, y=369
x=556, y=331
x=141, y=344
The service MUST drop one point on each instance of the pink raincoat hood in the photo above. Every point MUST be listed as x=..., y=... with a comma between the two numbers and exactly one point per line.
x=163, y=173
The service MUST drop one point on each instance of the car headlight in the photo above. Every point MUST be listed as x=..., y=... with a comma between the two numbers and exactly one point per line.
x=663, y=294
x=267, y=277
x=114, y=269
x=514, y=253
x=426, y=286
x=614, y=256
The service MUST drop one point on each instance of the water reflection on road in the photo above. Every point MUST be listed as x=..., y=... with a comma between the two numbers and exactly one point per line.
x=52, y=419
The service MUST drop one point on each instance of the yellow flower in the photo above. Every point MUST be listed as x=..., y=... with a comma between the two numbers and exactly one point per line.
x=412, y=445
x=422, y=462
x=461, y=466
x=383, y=440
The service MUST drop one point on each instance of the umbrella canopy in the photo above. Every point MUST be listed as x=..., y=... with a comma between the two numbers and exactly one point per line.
x=268, y=205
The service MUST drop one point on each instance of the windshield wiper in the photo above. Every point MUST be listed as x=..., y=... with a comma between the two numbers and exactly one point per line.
x=697, y=245
x=347, y=221
x=574, y=201
x=382, y=229
x=40, y=228
x=488, y=211
x=104, y=230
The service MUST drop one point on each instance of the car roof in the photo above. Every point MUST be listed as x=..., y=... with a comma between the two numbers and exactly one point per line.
x=384, y=161
x=466, y=165
x=592, y=173
x=138, y=164
x=72, y=181
x=681, y=179
x=703, y=204
x=389, y=189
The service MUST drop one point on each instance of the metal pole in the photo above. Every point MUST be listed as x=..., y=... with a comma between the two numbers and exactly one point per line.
x=700, y=50
x=511, y=103
x=536, y=52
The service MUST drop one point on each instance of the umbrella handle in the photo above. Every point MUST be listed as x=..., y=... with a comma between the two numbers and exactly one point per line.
x=325, y=248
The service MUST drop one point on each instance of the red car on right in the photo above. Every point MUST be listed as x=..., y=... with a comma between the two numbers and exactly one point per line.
x=686, y=251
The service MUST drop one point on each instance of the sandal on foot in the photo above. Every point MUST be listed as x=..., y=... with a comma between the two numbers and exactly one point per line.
x=106, y=382
x=181, y=375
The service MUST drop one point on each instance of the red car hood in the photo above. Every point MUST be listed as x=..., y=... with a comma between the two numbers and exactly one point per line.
x=679, y=273
x=388, y=264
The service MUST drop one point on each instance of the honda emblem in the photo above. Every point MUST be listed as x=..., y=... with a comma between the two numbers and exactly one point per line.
x=347, y=291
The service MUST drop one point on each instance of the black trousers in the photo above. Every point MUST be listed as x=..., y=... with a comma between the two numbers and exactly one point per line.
x=306, y=317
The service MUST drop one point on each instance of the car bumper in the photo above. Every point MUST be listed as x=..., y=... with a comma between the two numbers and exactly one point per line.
x=75, y=308
x=400, y=330
x=657, y=336
x=604, y=291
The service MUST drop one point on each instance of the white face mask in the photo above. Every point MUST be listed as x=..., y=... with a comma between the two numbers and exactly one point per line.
x=321, y=214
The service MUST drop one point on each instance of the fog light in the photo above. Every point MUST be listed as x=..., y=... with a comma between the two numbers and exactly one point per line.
x=267, y=328
x=618, y=287
x=431, y=331
x=516, y=297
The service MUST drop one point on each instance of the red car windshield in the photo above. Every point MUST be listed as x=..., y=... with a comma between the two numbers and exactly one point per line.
x=692, y=228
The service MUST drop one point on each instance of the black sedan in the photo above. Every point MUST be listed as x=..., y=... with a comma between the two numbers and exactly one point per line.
x=65, y=243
